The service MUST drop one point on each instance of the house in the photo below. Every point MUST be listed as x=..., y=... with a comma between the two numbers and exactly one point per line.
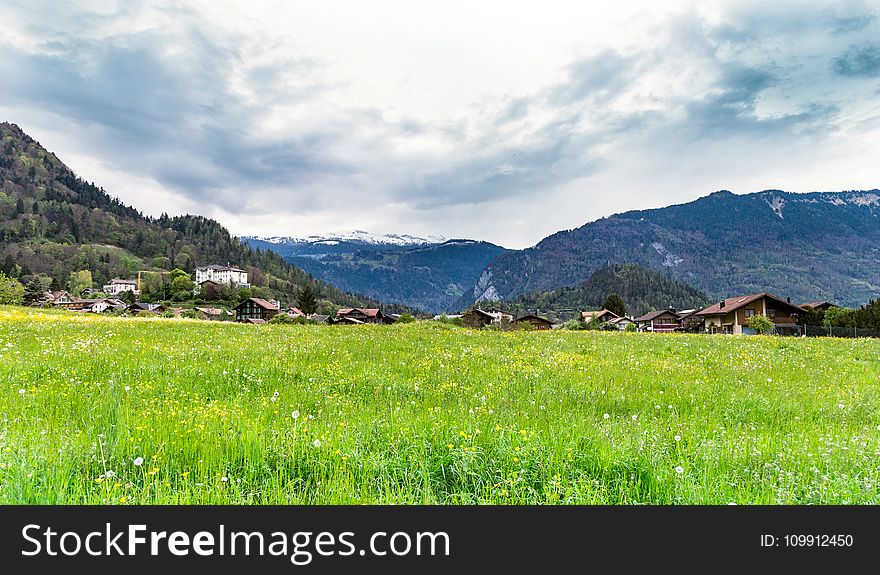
x=57, y=297
x=319, y=318
x=620, y=322
x=600, y=316
x=362, y=315
x=255, y=320
x=142, y=307
x=255, y=308
x=117, y=286
x=209, y=313
x=690, y=321
x=225, y=275
x=732, y=315
x=479, y=318
x=818, y=305
x=533, y=321
x=295, y=312
x=659, y=321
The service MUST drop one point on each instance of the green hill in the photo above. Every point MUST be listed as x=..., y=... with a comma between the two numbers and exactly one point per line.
x=53, y=222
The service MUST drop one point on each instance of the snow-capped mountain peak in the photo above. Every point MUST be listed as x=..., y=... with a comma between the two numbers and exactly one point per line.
x=357, y=236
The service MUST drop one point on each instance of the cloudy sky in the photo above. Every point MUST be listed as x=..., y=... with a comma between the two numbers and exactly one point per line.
x=504, y=121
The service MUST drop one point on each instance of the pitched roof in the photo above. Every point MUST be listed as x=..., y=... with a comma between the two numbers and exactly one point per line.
x=592, y=314
x=531, y=315
x=369, y=312
x=655, y=314
x=816, y=304
x=260, y=302
x=736, y=302
x=124, y=282
x=218, y=268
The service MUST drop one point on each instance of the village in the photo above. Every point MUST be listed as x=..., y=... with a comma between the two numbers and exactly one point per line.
x=733, y=315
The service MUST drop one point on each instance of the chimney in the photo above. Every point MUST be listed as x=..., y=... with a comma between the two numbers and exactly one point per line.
x=721, y=304
x=788, y=299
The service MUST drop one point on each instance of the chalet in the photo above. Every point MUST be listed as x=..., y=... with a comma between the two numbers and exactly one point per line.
x=117, y=286
x=295, y=312
x=600, y=316
x=732, y=315
x=533, y=321
x=620, y=322
x=690, y=321
x=209, y=313
x=148, y=308
x=659, y=321
x=818, y=305
x=479, y=318
x=57, y=297
x=255, y=308
x=362, y=315
x=226, y=275
x=319, y=318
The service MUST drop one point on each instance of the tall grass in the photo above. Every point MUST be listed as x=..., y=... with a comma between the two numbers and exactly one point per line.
x=428, y=413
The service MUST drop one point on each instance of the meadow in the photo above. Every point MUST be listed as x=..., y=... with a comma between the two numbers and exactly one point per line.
x=170, y=411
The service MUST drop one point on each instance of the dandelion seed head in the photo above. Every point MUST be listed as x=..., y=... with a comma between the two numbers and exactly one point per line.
x=138, y=461
x=606, y=416
x=679, y=469
x=295, y=414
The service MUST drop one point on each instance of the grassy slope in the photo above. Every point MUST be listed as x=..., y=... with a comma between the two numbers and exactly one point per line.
x=428, y=413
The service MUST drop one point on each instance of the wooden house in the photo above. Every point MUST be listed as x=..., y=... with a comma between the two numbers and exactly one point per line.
x=142, y=307
x=533, y=321
x=818, y=305
x=361, y=315
x=255, y=308
x=659, y=321
x=598, y=316
x=477, y=317
x=732, y=315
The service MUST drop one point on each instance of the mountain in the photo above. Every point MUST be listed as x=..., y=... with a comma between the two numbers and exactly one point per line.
x=416, y=272
x=809, y=246
x=52, y=222
x=642, y=289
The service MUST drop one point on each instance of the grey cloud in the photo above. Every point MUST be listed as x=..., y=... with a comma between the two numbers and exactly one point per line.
x=597, y=78
x=858, y=62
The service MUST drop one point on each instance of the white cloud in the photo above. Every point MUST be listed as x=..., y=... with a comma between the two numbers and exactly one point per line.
x=503, y=121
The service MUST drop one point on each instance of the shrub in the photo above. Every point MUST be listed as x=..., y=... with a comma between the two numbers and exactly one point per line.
x=573, y=324
x=631, y=327
x=761, y=324
x=406, y=318
x=282, y=319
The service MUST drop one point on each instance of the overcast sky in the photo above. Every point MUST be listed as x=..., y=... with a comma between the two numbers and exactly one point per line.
x=504, y=121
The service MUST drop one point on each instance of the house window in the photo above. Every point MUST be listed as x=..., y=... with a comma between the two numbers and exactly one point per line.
x=750, y=312
x=771, y=312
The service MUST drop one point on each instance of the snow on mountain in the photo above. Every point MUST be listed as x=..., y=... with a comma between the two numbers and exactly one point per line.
x=358, y=236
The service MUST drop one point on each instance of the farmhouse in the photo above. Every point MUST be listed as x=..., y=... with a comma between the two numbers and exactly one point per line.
x=117, y=286
x=255, y=308
x=212, y=313
x=659, y=321
x=362, y=315
x=732, y=315
x=690, y=321
x=58, y=298
x=479, y=318
x=600, y=316
x=620, y=322
x=535, y=321
x=319, y=318
x=225, y=275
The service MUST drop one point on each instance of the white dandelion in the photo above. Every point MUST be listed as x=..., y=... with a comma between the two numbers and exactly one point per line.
x=840, y=405
x=138, y=461
x=635, y=417
x=22, y=391
x=111, y=473
x=317, y=443
x=679, y=469
x=678, y=438
x=295, y=414
x=606, y=416
x=127, y=388
x=224, y=479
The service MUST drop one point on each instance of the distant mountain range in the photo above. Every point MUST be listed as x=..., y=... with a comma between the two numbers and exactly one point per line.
x=642, y=290
x=430, y=273
x=807, y=246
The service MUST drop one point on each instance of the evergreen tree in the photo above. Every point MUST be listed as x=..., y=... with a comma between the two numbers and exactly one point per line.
x=306, y=302
x=614, y=303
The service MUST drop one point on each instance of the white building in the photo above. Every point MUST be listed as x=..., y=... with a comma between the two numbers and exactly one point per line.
x=117, y=286
x=222, y=275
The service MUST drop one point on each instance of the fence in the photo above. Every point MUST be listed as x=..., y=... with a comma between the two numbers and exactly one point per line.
x=818, y=331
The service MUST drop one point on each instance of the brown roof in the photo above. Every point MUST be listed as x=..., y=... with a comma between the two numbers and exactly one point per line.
x=816, y=304
x=210, y=310
x=369, y=312
x=260, y=302
x=655, y=314
x=533, y=316
x=595, y=314
x=736, y=302
x=255, y=320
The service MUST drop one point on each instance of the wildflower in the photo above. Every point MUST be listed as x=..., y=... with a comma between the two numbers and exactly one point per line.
x=635, y=417
x=840, y=405
x=127, y=388
x=295, y=414
x=606, y=416
x=21, y=391
x=878, y=428
x=276, y=394
x=679, y=469
x=123, y=499
x=224, y=479
x=138, y=461
x=111, y=473
x=678, y=438
x=317, y=443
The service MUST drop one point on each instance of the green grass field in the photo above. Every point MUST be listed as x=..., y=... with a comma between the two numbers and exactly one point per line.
x=157, y=411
